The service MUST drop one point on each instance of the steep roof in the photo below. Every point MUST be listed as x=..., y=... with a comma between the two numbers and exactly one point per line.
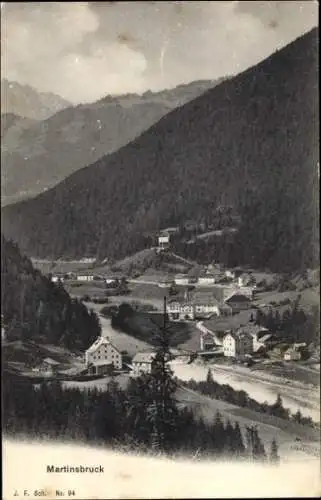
x=178, y=300
x=237, y=297
x=99, y=342
x=144, y=357
x=204, y=298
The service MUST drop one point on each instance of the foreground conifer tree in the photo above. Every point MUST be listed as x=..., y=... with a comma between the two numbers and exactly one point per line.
x=162, y=412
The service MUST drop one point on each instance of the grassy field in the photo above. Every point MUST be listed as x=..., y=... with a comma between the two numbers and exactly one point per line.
x=269, y=427
x=47, y=266
x=26, y=352
x=146, y=326
x=229, y=322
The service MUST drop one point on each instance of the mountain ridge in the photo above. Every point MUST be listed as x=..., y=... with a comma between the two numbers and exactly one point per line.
x=36, y=158
x=246, y=142
x=27, y=102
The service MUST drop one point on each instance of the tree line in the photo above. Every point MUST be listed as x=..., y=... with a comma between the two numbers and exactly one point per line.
x=133, y=420
x=293, y=323
x=225, y=392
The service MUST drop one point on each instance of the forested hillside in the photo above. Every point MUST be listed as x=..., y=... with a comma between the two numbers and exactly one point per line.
x=35, y=309
x=251, y=142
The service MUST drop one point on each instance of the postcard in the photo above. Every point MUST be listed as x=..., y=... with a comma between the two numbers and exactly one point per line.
x=160, y=271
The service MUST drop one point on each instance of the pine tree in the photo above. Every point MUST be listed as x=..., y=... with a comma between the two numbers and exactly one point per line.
x=209, y=377
x=218, y=434
x=230, y=444
x=163, y=412
x=274, y=457
x=297, y=417
x=151, y=397
x=278, y=409
x=239, y=447
x=255, y=447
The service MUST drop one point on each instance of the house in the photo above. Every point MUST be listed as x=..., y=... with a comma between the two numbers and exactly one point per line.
x=166, y=282
x=260, y=335
x=100, y=368
x=179, y=309
x=238, y=302
x=205, y=305
x=233, y=273
x=57, y=279
x=207, y=342
x=143, y=362
x=163, y=240
x=200, y=305
x=245, y=280
x=207, y=279
x=181, y=279
x=292, y=354
x=237, y=344
x=48, y=367
x=85, y=277
x=112, y=282
x=102, y=353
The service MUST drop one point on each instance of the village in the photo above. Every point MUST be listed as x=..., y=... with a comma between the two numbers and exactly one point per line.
x=226, y=312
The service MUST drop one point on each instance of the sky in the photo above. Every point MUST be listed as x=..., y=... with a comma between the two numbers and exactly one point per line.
x=83, y=51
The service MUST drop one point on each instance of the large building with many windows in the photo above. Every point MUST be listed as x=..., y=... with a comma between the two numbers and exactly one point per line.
x=237, y=344
x=102, y=353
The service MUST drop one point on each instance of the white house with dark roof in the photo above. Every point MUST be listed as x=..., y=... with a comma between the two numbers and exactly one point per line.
x=292, y=354
x=179, y=309
x=163, y=240
x=198, y=305
x=205, y=305
x=103, y=353
x=181, y=279
x=143, y=362
x=237, y=344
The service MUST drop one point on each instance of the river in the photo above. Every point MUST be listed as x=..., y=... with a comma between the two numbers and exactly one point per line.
x=295, y=395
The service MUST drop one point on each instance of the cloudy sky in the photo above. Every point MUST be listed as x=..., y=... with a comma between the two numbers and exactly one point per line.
x=85, y=50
